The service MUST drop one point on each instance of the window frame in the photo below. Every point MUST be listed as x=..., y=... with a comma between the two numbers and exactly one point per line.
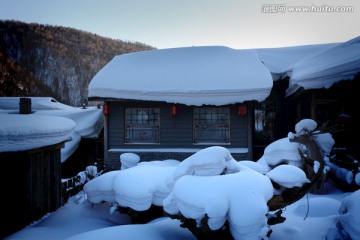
x=138, y=127
x=226, y=110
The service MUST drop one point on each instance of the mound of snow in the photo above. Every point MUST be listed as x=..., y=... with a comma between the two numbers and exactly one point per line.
x=308, y=125
x=281, y=151
x=318, y=206
x=349, y=219
x=241, y=198
x=101, y=188
x=166, y=162
x=325, y=141
x=129, y=160
x=253, y=165
x=141, y=186
x=163, y=228
x=288, y=176
x=206, y=162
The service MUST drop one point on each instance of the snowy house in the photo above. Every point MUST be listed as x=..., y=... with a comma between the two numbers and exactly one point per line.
x=86, y=140
x=37, y=135
x=30, y=152
x=320, y=82
x=170, y=103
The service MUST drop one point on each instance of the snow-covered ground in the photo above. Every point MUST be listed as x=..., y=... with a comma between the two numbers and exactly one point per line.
x=212, y=183
x=312, y=217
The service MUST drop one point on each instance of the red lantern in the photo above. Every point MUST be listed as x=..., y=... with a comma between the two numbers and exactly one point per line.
x=174, y=110
x=106, y=109
x=242, y=110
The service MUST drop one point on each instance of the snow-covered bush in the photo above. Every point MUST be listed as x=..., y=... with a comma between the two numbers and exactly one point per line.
x=211, y=188
x=239, y=198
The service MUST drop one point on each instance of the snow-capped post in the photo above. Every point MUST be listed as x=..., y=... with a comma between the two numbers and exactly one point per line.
x=25, y=105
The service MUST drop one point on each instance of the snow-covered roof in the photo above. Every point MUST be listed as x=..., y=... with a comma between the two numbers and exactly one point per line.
x=340, y=62
x=20, y=132
x=37, y=103
x=313, y=66
x=216, y=75
x=88, y=123
x=280, y=60
x=211, y=75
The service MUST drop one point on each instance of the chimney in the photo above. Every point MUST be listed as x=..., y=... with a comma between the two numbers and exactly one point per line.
x=25, y=105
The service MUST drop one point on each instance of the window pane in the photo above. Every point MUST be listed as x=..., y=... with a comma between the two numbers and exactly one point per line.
x=212, y=135
x=211, y=125
x=142, y=135
x=142, y=125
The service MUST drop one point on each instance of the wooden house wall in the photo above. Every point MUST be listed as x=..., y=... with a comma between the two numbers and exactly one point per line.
x=175, y=132
x=31, y=183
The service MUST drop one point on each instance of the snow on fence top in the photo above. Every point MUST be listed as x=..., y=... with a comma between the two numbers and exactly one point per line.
x=212, y=75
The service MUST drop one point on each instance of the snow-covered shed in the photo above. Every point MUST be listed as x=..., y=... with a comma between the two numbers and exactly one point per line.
x=38, y=134
x=172, y=102
x=30, y=158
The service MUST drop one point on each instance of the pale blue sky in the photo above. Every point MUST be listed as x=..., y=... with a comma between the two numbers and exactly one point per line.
x=179, y=23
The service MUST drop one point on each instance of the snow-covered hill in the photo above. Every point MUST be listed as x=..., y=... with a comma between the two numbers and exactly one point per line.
x=54, y=61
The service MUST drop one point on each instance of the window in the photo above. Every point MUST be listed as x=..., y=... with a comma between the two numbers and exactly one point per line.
x=142, y=125
x=211, y=125
x=264, y=122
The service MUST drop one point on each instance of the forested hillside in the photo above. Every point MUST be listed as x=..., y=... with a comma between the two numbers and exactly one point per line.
x=54, y=61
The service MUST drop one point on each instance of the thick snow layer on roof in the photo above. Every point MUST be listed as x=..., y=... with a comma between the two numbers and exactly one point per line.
x=37, y=103
x=313, y=66
x=280, y=60
x=192, y=76
x=89, y=121
x=340, y=62
x=20, y=132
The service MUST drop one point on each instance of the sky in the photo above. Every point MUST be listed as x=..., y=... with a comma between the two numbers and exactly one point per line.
x=238, y=24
